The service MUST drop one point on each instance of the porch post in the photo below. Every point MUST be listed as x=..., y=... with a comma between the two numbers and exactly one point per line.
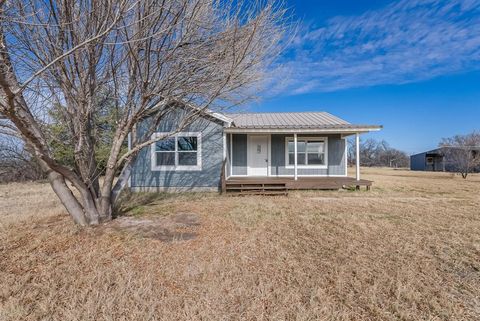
x=295, y=157
x=223, y=176
x=357, y=158
x=224, y=141
x=231, y=154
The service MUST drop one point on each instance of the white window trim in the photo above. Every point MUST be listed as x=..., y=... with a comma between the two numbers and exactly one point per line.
x=325, y=139
x=153, y=155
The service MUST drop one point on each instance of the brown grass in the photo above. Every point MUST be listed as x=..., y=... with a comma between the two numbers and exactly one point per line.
x=408, y=250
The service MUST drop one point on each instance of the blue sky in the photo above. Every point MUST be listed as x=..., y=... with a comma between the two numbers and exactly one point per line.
x=410, y=65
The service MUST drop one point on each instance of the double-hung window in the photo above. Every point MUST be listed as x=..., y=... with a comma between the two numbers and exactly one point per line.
x=311, y=152
x=181, y=151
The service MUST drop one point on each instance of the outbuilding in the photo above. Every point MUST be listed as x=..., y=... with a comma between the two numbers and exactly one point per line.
x=430, y=161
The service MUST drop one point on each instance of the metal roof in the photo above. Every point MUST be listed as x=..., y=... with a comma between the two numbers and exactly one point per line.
x=301, y=120
x=442, y=150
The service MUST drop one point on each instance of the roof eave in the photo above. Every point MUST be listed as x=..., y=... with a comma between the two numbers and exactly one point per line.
x=332, y=130
x=227, y=120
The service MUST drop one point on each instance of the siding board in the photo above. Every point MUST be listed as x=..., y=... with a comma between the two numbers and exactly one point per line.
x=207, y=178
x=239, y=154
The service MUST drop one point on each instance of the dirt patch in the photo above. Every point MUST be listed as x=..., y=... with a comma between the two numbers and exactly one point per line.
x=185, y=219
x=175, y=227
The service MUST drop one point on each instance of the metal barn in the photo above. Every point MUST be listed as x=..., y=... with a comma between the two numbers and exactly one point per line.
x=431, y=161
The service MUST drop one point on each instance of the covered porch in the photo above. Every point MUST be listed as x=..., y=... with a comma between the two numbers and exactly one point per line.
x=290, y=157
x=288, y=151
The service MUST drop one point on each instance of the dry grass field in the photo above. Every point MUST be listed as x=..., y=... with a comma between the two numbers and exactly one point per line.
x=407, y=250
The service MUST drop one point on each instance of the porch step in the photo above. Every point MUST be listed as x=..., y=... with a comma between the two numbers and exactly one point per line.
x=251, y=187
x=256, y=189
x=245, y=193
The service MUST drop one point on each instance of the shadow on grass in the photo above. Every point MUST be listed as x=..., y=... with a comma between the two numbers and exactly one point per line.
x=134, y=203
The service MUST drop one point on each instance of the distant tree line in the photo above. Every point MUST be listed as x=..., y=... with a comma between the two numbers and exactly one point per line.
x=16, y=162
x=377, y=153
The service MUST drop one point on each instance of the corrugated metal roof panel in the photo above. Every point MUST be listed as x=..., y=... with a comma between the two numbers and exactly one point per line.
x=289, y=120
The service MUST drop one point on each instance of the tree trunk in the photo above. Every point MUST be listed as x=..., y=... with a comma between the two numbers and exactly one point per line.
x=73, y=207
x=108, y=194
x=121, y=182
x=84, y=212
x=81, y=214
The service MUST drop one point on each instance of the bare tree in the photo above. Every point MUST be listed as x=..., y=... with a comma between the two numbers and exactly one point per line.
x=462, y=153
x=151, y=56
x=377, y=153
x=351, y=151
x=391, y=157
x=16, y=162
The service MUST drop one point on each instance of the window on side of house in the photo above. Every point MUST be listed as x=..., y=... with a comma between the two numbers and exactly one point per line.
x=181, y=152
x=311, y=152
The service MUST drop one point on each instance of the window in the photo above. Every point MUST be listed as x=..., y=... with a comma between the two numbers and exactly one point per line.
x=311, y=152
x=181, y=151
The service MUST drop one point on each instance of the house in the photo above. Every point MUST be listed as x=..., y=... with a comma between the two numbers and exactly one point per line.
x=250, y=152
x=437, y=160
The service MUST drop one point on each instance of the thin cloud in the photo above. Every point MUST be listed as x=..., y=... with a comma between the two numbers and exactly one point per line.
x=407, y=41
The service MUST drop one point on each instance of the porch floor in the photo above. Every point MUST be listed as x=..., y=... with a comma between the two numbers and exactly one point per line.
x=289, y=183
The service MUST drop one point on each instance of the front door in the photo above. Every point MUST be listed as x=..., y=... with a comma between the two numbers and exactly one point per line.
x=258, y=155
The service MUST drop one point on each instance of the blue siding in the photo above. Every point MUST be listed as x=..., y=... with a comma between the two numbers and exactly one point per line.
x=336, y=155
x=417, y=162
x=211, y=152
x=239, y=154
x=277, y=157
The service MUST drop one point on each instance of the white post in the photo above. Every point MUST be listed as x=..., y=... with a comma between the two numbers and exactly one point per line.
x=231, y=154
x=295, y=157
x=224, y=140
x=357, y=158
